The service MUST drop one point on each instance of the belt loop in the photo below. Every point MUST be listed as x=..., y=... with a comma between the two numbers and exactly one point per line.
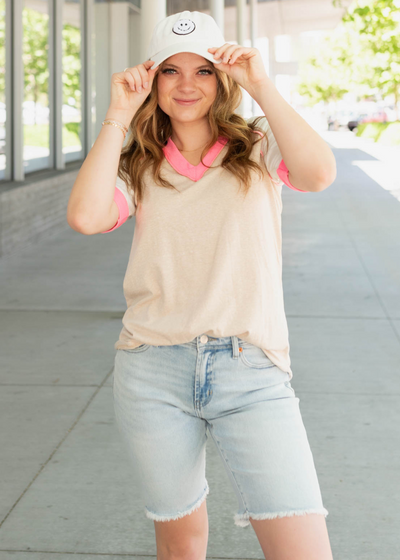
x=235, y=347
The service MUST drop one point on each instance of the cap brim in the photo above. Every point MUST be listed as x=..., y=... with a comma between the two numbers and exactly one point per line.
x=195, y=48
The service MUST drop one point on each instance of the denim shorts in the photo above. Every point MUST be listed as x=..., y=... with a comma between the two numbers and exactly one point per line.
x=166, y=399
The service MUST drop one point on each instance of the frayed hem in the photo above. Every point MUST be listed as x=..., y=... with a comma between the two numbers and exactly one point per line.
x=156, y=517
x=242, y=519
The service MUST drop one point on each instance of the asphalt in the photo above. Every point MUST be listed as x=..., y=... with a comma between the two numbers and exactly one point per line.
x=65, y=479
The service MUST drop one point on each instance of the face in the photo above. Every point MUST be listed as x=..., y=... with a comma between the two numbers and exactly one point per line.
x=180, y=77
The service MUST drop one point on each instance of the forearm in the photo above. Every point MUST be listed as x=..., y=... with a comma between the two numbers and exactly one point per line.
x=307, y=156
x=92, y=194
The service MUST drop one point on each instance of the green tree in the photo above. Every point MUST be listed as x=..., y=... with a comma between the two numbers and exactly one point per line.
x=326, y=75
x=378, y=24
x=35, y=56
x=71, y=64
x=35, y=59
x=361, y=55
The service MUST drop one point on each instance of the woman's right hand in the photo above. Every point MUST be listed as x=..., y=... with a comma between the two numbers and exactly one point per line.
x=125, y=87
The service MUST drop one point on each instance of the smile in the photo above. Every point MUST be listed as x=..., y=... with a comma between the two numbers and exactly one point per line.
x=187, y=102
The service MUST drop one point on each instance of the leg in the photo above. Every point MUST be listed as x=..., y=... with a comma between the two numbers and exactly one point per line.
x=153, y=400
x=184, y=538
x=304, y=537
x=263, y=443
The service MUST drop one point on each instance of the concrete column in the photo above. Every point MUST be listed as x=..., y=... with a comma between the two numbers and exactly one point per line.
x=151, y=13
x=272, y=58
x=296, y=47
x=241, y=36
x=119, y=36
x=217, y=12
x=253, y=38
x=134, y=37
x=102, y=74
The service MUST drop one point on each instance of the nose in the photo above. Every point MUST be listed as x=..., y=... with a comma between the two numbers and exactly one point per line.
x=186, y=83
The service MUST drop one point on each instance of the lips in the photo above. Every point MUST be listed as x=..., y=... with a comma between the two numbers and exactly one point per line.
x=186, y=101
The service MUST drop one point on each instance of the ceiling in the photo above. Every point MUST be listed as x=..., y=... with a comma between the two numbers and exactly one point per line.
x=274, y=17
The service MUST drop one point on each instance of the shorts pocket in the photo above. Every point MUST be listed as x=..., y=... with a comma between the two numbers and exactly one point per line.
x=137, y=350
x=254, y=357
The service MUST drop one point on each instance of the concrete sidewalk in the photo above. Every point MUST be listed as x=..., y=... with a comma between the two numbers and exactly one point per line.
x=65, y=476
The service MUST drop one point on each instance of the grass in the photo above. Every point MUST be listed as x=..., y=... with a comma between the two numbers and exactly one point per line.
x=37, y=135
x=387, y=133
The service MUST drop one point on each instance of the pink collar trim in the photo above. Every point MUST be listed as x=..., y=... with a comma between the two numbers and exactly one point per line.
x=183, y=167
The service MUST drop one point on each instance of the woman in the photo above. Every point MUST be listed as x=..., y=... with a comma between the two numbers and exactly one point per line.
x=204, y=343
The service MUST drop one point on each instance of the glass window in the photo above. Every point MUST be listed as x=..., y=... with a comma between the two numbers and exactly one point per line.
x=72, y=138
x=35, y=111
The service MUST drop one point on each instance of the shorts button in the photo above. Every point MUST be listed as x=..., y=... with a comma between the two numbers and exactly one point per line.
x=203, y=338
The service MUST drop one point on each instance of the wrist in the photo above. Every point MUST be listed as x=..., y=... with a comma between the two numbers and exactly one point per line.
x=120, y=116
x=261, y=87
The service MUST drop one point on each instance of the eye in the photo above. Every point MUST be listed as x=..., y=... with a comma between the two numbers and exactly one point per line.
x=173, y=70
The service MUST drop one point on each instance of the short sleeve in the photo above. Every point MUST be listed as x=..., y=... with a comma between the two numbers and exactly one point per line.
x=273, y=157
x=126, y=206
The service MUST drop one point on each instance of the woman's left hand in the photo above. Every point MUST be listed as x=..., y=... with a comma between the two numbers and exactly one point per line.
x=243, y=64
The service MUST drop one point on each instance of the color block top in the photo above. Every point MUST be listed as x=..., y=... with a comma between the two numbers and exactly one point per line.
x=204, y=259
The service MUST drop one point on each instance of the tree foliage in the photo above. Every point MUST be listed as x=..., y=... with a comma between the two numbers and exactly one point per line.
x=361, y=55
x=35, y=49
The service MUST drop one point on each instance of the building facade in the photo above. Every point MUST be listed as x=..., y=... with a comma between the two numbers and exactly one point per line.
x=57, y=58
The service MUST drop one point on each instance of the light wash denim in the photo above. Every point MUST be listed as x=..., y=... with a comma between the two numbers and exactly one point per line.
x=167, y=399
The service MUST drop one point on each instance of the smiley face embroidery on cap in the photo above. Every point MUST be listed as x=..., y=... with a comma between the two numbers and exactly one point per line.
x=184, y=27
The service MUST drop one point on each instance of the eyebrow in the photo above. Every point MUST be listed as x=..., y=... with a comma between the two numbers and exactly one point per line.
x=198, y=68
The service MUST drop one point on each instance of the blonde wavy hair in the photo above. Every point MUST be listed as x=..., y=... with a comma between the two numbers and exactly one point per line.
x=150, y=129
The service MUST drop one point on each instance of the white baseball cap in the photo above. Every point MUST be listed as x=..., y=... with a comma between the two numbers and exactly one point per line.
x=186, y=31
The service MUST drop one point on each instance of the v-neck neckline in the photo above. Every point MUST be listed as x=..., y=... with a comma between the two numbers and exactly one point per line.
x=184, y=167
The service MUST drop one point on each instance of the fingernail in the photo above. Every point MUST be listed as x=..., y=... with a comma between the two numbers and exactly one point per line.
x=139, y=88
x=146, y=84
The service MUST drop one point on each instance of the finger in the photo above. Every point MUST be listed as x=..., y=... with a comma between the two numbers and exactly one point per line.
x=144, y=76
x=129, y=78
x=221, y=50
x=236, y=55
x=228, y=53
x=138, y=79
x=150, y=71
x=147, y=74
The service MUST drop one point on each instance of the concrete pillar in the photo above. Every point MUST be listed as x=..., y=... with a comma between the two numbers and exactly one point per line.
x=217, y=12
x=134, y=38
x=151, y=13
x=241, y=36
x=119, y=36
x=102, y=67
x=253, y=38
x=272, y=58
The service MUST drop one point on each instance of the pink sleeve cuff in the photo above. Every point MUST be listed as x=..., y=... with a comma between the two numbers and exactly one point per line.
x=283, y=174
x=123, y=209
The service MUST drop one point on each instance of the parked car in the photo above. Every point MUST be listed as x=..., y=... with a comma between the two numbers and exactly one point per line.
x=353, y=123
x=377, y=116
